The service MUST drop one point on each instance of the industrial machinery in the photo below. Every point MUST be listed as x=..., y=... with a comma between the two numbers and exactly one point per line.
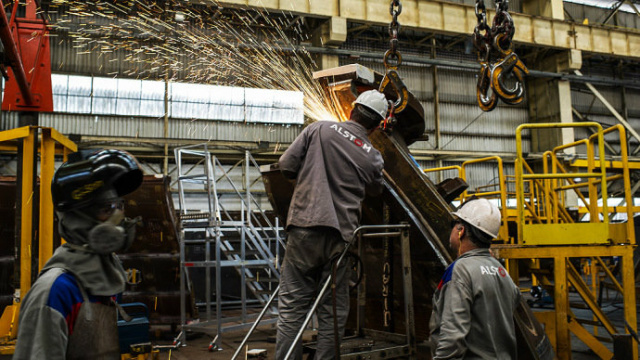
x=409, y=196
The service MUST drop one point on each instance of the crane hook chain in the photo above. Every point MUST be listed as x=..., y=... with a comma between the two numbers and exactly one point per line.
x=392, y=60
x=498, y=61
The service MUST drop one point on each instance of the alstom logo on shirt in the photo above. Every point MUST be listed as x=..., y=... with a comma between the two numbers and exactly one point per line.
x=351, y=137
x=493, y=270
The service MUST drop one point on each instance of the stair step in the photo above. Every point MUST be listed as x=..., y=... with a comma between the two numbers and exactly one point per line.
x=263, y=279
x=539, y=271
x=578, y=305
x=246, y=252
x=589, y=322
x=604, y=339
x=263, y=292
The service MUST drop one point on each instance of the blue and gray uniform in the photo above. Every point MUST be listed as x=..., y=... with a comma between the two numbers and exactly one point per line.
x=69, y=312
x=334, y=165
x=473, y=309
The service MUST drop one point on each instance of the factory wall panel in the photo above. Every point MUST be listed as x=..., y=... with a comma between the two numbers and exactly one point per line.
x=475, y=143
x=468, y=118
x=110, y=126
x=232, y=131
x=595, y=15
x=586, y=103
x=632, y=99
x=457, y=86
x=206, y=130
x=8, y=120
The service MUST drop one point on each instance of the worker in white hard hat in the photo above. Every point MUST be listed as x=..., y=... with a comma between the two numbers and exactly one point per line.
x=474, y=302
x=334, y=165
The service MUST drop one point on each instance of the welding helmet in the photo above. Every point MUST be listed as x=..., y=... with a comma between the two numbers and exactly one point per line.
x=481, y=214
x=88, y=174
x=374, y=100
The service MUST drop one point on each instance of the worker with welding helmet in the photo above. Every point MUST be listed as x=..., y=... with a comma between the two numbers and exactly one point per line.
x=474, y=302
x=334, y=165
x=70, y=311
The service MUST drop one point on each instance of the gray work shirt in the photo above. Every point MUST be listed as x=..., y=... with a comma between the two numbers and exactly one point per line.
x=334, y=165
x=473, y=309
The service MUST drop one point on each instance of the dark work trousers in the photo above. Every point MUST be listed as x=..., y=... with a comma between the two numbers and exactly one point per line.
x=306, y=266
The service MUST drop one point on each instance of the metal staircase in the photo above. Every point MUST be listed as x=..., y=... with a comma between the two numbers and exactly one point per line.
x=228, y=230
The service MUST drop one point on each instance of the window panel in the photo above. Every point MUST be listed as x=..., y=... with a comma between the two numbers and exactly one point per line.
x=130, y=97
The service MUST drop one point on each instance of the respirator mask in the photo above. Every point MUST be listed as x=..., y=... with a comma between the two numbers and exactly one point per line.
x=113, y=231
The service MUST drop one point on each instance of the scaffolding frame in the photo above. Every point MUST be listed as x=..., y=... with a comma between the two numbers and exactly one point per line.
x=255, y=247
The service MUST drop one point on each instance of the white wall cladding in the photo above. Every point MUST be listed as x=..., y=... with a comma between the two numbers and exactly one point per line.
x=97, y=125
x=114, y=126
x=8, y=120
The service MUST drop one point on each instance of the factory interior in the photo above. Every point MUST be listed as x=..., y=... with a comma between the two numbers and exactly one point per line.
x=533, y=105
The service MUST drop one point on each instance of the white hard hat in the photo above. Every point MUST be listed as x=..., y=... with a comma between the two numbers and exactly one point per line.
x=481, y=214
x=374, y=100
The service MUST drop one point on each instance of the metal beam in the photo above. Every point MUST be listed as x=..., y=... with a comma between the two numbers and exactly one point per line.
x=613, y=111
x=613, y=11
x=461, y=64
x=582, y=118
x=13, y=54
x=633, y=6
x=452, y=18
x=416, y=59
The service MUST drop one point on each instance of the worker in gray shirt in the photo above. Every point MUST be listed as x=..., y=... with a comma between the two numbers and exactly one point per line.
x=474, y=303
x=334, y=165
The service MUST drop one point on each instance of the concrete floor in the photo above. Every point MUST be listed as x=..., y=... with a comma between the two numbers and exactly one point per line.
x=197, y=348
x=197, y=344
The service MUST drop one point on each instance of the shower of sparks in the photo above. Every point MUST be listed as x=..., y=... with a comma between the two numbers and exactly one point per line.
x=175, y=39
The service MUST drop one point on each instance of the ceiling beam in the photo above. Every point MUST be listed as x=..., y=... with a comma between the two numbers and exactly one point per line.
x=456, y=19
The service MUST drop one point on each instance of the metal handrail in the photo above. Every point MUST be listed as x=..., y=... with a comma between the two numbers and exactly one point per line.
x=322, y=291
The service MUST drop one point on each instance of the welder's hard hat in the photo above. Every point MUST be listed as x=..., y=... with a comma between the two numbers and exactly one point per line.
x=374, y=100
x=87, y=174
x=481, y=214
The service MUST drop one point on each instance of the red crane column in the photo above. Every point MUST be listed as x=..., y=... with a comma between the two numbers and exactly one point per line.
x=26, y=43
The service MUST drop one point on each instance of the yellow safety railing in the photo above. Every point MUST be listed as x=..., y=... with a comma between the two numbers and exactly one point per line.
x=541, y=196
x=621, y=232
x=500, y=192
x=557, y=226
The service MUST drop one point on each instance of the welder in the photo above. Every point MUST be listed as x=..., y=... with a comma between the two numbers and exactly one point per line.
x=70, y=311
x=334, y=166
x=474, y=302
